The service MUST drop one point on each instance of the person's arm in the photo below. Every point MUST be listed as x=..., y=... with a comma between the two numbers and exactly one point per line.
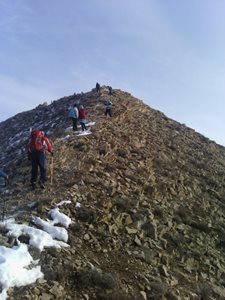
x=47, y=144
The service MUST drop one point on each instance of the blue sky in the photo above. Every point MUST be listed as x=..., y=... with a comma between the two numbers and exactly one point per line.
x=169, y=53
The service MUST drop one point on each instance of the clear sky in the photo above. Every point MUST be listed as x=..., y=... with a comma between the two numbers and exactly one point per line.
x=169, y=53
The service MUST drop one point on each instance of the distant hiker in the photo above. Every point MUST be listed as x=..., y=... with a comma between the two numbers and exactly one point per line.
x=73, y=114
x=110, y=90
x=5, y=176
x=37, y=149
x=78, y=101
x=108, y=108
x=82, y=117
x=97, y=87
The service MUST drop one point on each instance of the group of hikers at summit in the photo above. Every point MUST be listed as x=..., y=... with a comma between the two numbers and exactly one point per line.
x=80, y=114
x=39, y=145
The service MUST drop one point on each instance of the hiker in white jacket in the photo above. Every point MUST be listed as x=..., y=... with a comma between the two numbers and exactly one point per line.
x=73, y=114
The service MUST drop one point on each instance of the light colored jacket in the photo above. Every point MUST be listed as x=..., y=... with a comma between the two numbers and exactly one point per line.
x=73, y=112
x=108, y=105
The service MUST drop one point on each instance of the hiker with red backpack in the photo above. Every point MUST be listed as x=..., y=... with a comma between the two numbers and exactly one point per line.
x=37, y=148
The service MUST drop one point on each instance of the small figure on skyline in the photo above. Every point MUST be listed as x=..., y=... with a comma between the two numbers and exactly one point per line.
x=82, y=118
x=97, y=87
x=110, y=90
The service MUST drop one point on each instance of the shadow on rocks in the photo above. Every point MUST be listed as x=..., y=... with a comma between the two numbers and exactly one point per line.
x=94, y=278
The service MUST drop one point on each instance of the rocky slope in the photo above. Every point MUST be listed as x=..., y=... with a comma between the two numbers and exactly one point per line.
x=151, y=220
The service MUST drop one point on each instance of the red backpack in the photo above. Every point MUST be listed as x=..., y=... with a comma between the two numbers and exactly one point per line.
x=36, y=143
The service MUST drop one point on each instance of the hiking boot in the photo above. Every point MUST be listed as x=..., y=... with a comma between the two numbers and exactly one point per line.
x=42, y=185
x=34, y=186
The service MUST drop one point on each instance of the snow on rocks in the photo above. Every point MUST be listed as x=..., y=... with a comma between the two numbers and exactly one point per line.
x=63, y=202
x=66, y=137
x=59, y=218
x=68, y=128
x=17, y=267
x=38, y=238
x=82, y=133
x=32, y=204
x=90, y=124
x=56, y=232
x=78, y=205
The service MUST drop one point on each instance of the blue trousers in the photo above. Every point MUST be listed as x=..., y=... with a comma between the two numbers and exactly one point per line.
x=38, y=160
x=108, y=111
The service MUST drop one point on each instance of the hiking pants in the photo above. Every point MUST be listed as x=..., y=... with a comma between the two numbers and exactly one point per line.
x=83, y=126
x=74, y=123
x=108, y=111
x=82, y=123
x=38, y=160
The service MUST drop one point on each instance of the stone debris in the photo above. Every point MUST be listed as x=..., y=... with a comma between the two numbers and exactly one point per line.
x=145, y=195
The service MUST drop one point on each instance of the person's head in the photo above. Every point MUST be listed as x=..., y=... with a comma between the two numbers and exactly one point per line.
x=75, y=105
x=81, y=107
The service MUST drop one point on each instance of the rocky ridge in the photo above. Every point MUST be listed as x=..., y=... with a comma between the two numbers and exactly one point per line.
x=150, y=223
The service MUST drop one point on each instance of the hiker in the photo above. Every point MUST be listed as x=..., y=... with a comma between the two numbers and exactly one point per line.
x=73, y=115
x=5, y=176
x=37, y=149
x=82, y=117
x=108, y=108
x=97, y=87
x=110, y=90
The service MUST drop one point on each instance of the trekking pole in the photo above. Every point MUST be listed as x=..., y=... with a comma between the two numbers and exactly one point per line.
x=3, y=210
x=52, y=165
x=1, y=203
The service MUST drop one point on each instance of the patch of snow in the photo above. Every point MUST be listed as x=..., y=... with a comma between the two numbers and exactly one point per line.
x=15, y=143
x=68, y=128
x=59, y=218
x=14, y=263
x=17, y=267
x=90, y=124
x=52, y=125
x=56, y=232
x=32, y=204
x=66, y=137
x=63, y=202
x=38, y=238
x=83, y=133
